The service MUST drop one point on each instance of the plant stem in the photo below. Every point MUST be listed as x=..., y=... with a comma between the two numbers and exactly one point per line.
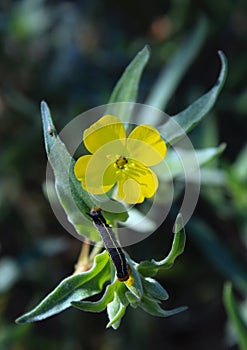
x=83, y=264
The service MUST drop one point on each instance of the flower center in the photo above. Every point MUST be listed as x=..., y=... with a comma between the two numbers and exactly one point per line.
x=121, y=162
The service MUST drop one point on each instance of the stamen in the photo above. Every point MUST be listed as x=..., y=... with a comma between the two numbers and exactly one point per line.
x=121, y=162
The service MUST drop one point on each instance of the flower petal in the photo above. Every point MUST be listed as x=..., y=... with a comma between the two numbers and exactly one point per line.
x=80, y=167
x=145, y=145
x=149, y=184
x=100, y=175
x=138, y=183
x=106, y=129
x=97, y=175
x=130, y=191
x=146, y=178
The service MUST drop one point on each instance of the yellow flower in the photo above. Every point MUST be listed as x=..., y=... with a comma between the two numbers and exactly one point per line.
x=118, y=159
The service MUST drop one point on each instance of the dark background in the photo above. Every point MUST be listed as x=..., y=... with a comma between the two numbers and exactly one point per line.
x=71, y=53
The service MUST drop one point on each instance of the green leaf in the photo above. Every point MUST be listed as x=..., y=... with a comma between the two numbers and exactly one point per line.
x=152, y=307
x=126, y=89
x=150, y=268
x=100, y=305
x=116, y=309
x=136, y=288
x=174, y=71
x=154, y=289
x=73, y=288
x=192, y=115
x=234, y=315
x=50, y=133
x=187, y=159
x=119, y=214
x=132, y=299
x=75, y=201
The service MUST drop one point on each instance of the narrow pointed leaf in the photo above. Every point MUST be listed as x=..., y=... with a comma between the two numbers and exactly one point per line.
x=150, y=268
x=192, y=115
x=136, y=288
x=100, y=305
x=154, y=289
x=132, y=299
x=127, y=87
x=116, y=309
x=74, y=200
x=152, y=307
x=73, y=288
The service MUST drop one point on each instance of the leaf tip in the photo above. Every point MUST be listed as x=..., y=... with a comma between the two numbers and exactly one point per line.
x=221, y=54
x=147, y=48
x=224, y=66
x=44, y=106
x=222, y=147
x=179, y=224
x=42, y=103
x=145, y=52
x=20, y=320
x=111, y=324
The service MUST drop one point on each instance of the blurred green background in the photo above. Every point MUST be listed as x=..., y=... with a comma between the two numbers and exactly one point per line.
x=71, y=53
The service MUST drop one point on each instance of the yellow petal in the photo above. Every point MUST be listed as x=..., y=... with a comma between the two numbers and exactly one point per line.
x=130, y=191
x=145, y=145
x=106, y=129
x=149, y=184
x=146, y=178
x=138, y=183
x=80, y=167
x=100, y=175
